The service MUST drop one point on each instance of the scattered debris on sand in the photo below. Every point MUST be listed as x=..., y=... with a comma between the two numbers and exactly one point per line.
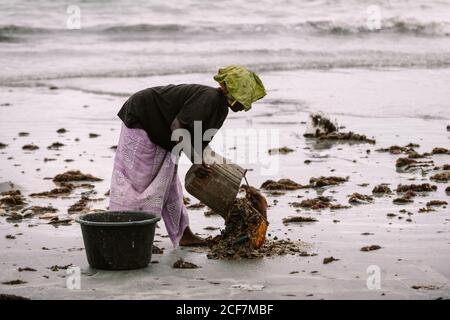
x=157, y=250
x=14, y=217
x=38, y=210
x=93, y=135
x=196, y=206
x=186, y=200
x=371, y=248
x=14, y=282
x=55, y=146
x=114, y=148
x=61, y=130
x=57, y=268
x=391, y=215
x=282, y=184
x=426, y=209
x=409, y=163
x=47, y=216
x=270, y=248
x=447, y=190
x=181, y=264
x=424, y=187
x=320, y=125
x=23, y=134
x=56, y=221
x=12, y=199
x=339, y=206
x=75, y=175
x=323, y=128
x=210, y=212
x=347, y=136
x=30, y=147
x=64, y=190
x=26, y=269
x=79, y=206
x=416, y=155
x=276, y=193
x=329, y=260
x=320, y=202
x=441, y=177
x=439, y=150
x=3, y=145
x=381, y=189
x=211, y=228
x=299, y=219
x=436, y=203
x=10, y=237
x=425, y=287
x=11, y=297
x=12, y=192
x=245, y=227
x=326, y=181
x=358, y=198
x=406, y=198
x=282, y=150
x=408, y=149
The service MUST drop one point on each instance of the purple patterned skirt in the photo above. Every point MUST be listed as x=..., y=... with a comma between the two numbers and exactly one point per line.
x=145, y=178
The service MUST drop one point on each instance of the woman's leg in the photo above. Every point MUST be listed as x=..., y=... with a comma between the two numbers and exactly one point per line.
x=190, y=239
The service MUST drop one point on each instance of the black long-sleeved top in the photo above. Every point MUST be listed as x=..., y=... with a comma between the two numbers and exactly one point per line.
x=154, y=110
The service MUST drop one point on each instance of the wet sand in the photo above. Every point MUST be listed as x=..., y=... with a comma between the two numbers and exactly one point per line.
x=413, y=252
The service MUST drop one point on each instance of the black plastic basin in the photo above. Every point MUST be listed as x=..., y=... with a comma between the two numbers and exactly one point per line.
x=118, y=240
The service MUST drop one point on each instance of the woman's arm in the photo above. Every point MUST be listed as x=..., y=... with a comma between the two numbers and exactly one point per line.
x=203, y=170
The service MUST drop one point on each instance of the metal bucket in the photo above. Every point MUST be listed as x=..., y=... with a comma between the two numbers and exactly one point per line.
x=219, y=190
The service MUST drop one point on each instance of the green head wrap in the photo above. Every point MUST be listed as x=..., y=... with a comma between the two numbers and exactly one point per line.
x=244, y=85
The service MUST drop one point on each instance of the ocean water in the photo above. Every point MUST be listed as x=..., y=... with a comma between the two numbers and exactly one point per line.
x=144, y=38
x=295, y=45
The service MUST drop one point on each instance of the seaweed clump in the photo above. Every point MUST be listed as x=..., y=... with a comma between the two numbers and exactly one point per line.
x=440, y=150
x=441, y=177
x=406, y=198
x=358, y=198
x=75, y=175
x=382, y=189
x=282, y=184
x=437, y=203
x=244, y=236
x=12, y=199
x=320, y=202
x=324, y=129
x=282, y=150
x=181, y=264
x=326, y=181
x=64, y=190
x=424, y=187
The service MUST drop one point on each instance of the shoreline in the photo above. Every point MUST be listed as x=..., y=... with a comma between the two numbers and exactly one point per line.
x=405, y=258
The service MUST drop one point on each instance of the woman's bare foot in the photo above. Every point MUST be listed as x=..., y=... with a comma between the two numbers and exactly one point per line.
x=189, y=239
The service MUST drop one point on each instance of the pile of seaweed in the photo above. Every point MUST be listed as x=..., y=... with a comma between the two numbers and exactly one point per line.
x=244, y=236
x=322, y=128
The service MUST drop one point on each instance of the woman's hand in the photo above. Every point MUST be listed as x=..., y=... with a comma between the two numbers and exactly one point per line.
x=202, y=170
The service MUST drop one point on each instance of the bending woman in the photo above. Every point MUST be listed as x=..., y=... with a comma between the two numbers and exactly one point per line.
x=145, y=174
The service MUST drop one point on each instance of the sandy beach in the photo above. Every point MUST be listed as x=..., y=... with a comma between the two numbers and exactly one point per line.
x=380, y=70
x=414, y=254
